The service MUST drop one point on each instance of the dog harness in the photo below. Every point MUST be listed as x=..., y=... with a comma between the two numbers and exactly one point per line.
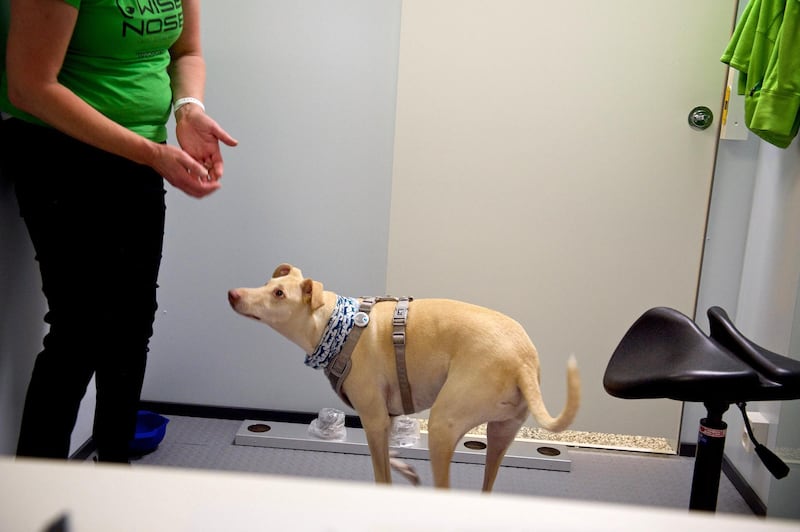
x=337, y=350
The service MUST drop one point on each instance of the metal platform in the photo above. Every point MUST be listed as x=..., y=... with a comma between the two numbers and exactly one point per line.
x=471, y=449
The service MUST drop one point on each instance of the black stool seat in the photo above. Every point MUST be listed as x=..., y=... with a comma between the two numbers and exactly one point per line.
x=665, y=355
x=772, y=366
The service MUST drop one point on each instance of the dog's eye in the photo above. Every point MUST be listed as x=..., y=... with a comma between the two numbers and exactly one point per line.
x=278, y=293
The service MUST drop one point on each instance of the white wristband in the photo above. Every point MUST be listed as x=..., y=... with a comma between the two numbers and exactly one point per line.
x=180, y=102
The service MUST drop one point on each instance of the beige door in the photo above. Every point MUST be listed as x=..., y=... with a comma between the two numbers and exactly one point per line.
x=544, y=166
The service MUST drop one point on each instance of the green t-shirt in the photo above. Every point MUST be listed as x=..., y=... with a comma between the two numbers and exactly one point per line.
x=117, y=62
x=763, y=49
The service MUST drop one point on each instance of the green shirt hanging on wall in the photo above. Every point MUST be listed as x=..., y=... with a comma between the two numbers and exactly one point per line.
x=765, y=48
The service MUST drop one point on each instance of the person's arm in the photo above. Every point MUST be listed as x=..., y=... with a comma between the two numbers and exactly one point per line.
x=39, y=33
x=197, y=133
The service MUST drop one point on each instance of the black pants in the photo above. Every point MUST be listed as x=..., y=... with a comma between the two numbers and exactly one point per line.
x=97, y=225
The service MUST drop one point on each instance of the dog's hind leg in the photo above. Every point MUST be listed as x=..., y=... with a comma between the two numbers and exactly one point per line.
x=499, y=436
x=442, y=439
x=450, y=418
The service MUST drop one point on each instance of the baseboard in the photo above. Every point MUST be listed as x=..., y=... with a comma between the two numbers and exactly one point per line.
x=226, y=412
x=748, y=494
x=687, y=449
x=84, y=451
x=217, y=412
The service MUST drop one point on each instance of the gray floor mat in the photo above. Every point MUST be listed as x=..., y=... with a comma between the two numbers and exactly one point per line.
x=603, y=476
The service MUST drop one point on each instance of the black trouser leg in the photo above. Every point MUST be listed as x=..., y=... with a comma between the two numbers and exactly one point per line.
x=98, y=239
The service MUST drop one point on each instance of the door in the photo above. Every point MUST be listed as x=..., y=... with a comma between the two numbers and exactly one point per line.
x=544, y=166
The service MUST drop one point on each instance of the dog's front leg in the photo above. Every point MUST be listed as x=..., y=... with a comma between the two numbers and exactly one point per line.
x=377, y=425
x=377, y=432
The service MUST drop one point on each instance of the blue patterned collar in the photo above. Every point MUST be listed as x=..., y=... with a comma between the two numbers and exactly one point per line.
x=339, y=327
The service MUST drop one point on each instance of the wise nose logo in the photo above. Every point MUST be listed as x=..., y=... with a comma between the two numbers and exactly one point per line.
x=150, y=17
x=130, y=8
x=127, y=7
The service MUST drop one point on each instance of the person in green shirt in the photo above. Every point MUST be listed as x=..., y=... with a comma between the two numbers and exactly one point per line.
x=88, y=87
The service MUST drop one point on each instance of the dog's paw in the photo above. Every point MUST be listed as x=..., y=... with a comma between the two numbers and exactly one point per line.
x=407, y=471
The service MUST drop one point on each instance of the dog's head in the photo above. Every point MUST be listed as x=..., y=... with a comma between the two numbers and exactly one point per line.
x=283, y=298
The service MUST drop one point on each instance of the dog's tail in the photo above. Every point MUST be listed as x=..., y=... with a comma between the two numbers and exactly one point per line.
x=529, y=384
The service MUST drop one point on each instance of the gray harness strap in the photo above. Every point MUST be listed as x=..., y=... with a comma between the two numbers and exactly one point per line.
x=340, y=366
x=399, y=321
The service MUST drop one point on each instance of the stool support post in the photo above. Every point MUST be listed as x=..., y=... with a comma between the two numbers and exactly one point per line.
x=708, y=459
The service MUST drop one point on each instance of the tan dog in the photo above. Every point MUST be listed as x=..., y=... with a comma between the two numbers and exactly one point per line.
x=468, y=364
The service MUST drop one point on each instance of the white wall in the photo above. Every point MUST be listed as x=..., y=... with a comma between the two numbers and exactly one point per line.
x=726, y=239
x=492, y=204
x=309, y=90
x=770, y=281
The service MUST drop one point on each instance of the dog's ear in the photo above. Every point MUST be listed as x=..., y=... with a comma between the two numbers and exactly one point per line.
x=282, y=270
x=312, y=293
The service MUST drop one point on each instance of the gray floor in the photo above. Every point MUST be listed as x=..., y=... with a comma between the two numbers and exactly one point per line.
x=606, y=476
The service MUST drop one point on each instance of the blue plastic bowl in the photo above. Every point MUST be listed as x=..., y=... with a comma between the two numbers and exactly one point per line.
x=150, y=430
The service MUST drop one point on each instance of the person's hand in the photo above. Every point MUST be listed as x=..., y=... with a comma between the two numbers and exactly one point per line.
x=199, y=135
x=183, y=171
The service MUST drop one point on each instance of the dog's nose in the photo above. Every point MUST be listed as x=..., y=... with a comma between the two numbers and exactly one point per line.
x=233, y=297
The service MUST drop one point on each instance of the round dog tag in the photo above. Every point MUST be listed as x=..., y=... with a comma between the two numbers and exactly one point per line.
x=361, y=319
